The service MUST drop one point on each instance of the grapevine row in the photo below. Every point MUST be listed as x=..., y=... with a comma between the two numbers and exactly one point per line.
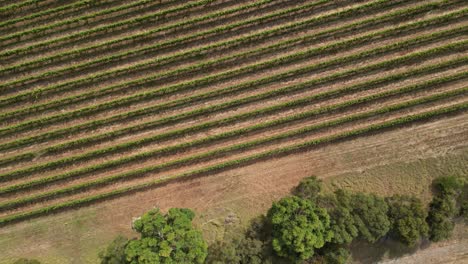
x=238, y=162
x=173, y=149
x=229, y=59
x=461, y=46
x=87, y=33
x=286, y=59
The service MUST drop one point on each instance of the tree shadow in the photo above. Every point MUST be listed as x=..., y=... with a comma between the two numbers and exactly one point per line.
x=365, y=252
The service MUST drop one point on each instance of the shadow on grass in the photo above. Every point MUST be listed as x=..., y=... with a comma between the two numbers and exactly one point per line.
x=364, y=252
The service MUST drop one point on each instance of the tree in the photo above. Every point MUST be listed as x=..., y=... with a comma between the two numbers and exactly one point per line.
x=298, y=228
x=342, y=222
x=408, y=219
x=115, y=252
x=442, y=209
x=166, y=239
x=26, y=261
x=370, y=216
x=309, y=188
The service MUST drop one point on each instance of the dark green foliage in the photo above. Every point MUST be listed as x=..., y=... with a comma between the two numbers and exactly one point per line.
x=252, y=246
x=408, y=218
x=309, y=188
x=166, y=239
x=238, y=250
x=26, y=261
x=464, y=211
x=223, y=252
x=342, y=220
x=443, y=207
x=440, y=219
x=298, y=228
x=338, y=255
x=463, y=202
x=370, y=216
x=115, y=252
x=449, y=185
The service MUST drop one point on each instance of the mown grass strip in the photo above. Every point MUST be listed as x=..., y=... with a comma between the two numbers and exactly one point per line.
x=195, y=52
x=455, y=47
x=44, y=29
x=340, y=46
x=238, y=162
x=197, y=128
x=238, y=132
x=107, y=28
x=301, y=55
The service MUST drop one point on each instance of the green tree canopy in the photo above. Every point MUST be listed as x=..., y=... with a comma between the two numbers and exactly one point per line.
x=115, y=252
x=442, y=209
x=370, y=216
x=408, y=219
x=298, y=228
x=342, y=222
x=168, y=239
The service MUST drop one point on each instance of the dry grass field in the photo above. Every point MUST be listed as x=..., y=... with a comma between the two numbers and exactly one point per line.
x=109, y=108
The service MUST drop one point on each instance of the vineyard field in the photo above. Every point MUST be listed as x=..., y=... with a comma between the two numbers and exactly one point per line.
x=105, y=99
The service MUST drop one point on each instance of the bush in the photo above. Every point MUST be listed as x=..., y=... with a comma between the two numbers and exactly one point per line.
x=408, y=219
x=440, y=219
x=342, y=222
x=115, y=252
x=338, y=255
x=250, y=247
x=370, y=216
x=449, y=185
x=309, y=188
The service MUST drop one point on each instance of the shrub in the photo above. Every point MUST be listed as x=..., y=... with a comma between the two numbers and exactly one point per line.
x=442, y=209
x=115, y=252
x=309, y=188
x=408, y=219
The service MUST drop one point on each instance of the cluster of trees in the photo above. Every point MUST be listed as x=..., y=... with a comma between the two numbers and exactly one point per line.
x=310, y=226
x=316, y=227
x=168, y=239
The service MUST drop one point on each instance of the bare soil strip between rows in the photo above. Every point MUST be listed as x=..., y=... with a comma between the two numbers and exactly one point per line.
x=50, y=120
x=334, y=76
x=223, y=166
x=137, y=157
x=249, y=132
x=165, y=80
x=429, y=6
